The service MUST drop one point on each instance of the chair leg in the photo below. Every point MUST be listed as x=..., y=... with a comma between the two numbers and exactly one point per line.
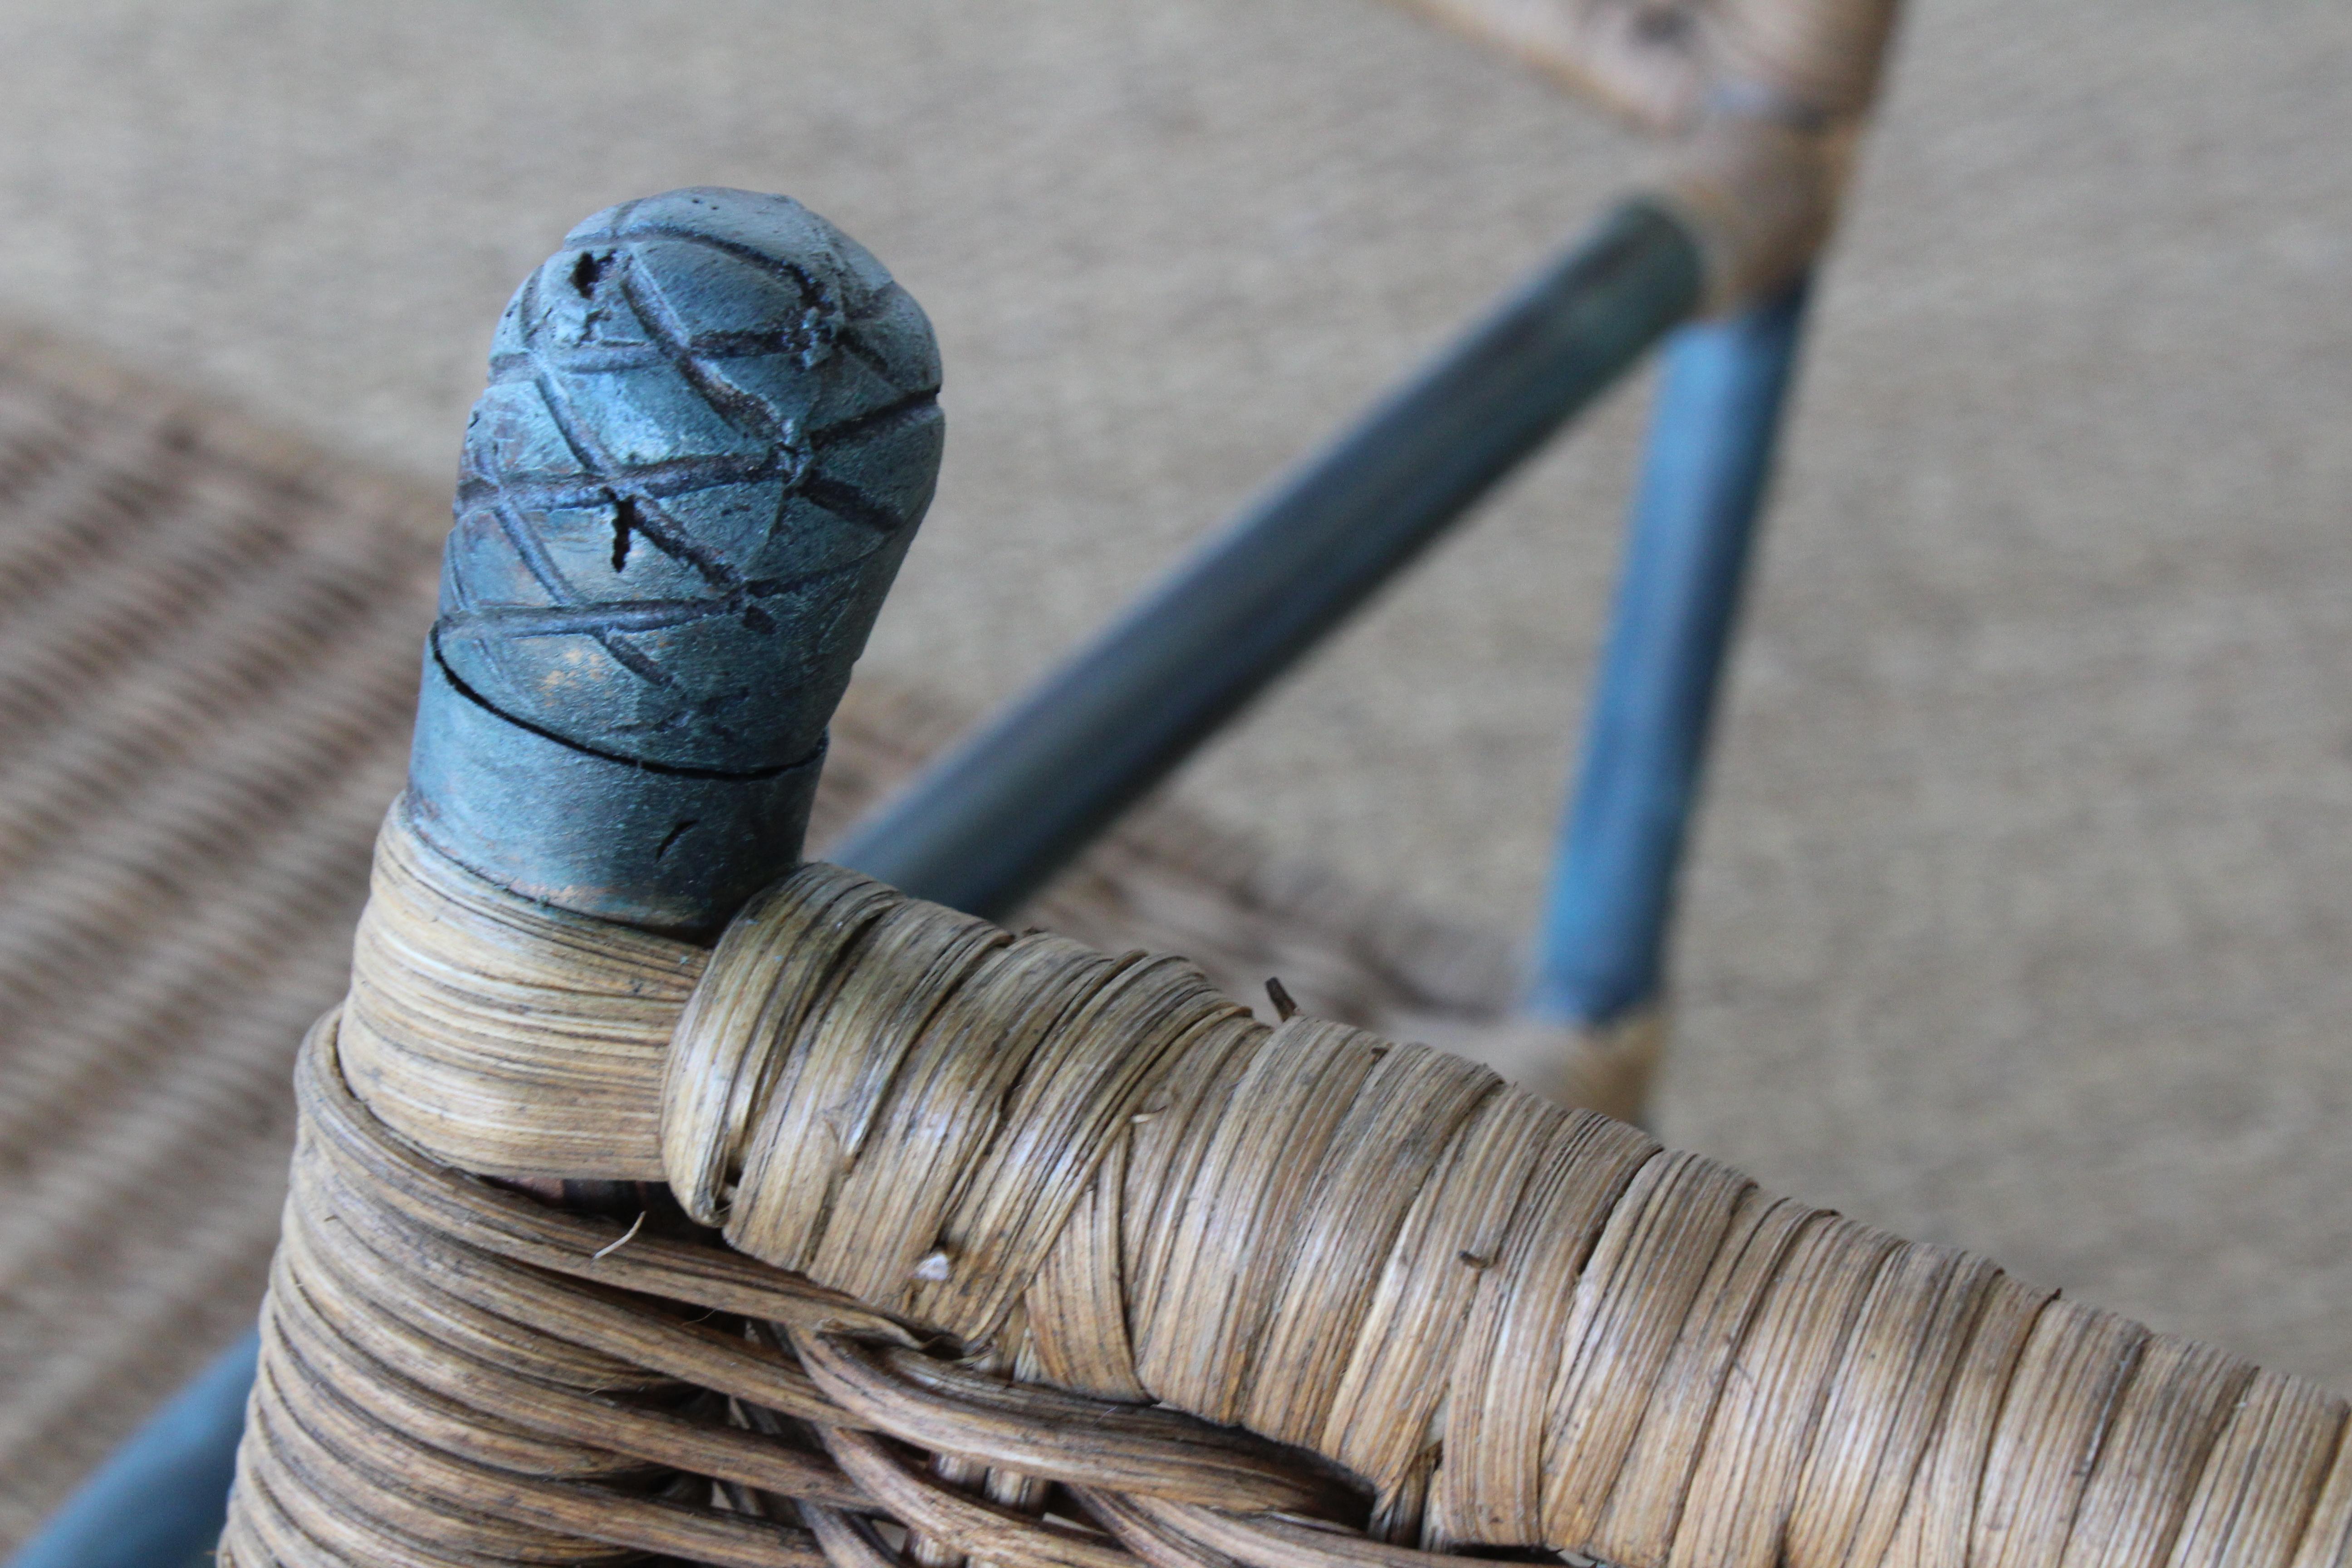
x=1597, y=982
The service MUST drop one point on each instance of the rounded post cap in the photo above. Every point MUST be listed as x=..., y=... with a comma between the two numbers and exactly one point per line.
x=710, y=430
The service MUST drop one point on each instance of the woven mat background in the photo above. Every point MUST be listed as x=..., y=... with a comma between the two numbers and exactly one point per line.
x=208, y=640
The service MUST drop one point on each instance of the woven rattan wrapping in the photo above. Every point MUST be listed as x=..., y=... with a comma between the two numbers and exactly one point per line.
x=1766, y=97
x=1658, y=63
x=1038, y=1255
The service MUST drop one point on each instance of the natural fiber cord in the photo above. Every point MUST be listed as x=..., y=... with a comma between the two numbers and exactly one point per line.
x=1765, y=100
x=1050, y=1256
x=1657, y=63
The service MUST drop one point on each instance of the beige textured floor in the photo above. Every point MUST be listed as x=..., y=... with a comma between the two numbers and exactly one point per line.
x=2021, y=916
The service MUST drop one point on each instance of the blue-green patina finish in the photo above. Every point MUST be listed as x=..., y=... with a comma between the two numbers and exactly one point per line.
x=710, y=430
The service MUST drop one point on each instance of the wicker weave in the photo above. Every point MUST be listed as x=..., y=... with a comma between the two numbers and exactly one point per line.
x=1656, y=62
x=1041, y=1254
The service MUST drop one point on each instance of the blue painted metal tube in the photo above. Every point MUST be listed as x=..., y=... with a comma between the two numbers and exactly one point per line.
x=984, y=826
x=1600, y=953
x=160, y=1499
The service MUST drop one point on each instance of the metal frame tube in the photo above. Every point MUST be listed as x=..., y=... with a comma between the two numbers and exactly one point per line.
x=1600, y=951
x=984, y=826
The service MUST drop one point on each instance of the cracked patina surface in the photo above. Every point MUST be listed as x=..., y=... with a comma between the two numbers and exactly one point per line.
x=710, y=430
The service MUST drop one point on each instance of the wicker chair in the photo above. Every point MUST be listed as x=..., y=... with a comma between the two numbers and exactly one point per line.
x=661, y=1197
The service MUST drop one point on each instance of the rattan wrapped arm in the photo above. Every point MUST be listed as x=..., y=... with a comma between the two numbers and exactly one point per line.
x=946, y=1243
x=1467, y=1318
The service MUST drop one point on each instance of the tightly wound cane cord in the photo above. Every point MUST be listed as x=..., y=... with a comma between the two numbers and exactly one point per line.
x=1053, y=1257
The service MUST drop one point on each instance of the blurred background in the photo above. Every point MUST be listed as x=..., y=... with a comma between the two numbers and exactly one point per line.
x=2021, y=916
